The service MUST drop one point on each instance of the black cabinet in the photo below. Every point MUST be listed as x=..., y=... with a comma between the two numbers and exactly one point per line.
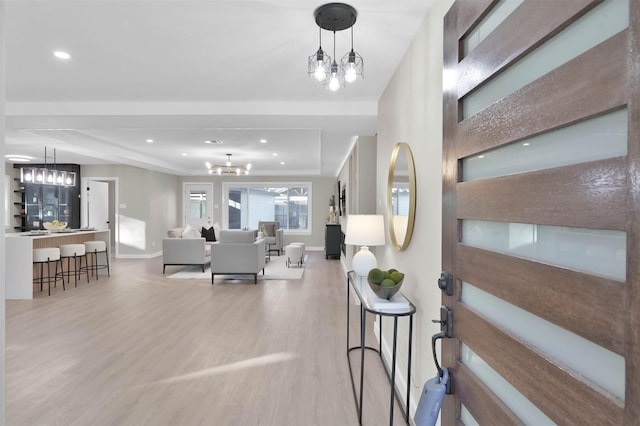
x=332, y=240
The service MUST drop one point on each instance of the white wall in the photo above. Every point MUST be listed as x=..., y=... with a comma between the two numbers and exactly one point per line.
x=3, y=387
x=148, y=205
x=410, y=110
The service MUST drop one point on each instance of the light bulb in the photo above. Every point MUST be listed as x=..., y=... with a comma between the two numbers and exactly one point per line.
x=27, y=177
x=334, y=83
x=350, y=74
x=320, y=74
x=69, y=181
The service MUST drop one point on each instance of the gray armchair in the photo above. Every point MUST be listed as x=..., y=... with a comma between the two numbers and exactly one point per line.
x=237, y=253
x=273, y=235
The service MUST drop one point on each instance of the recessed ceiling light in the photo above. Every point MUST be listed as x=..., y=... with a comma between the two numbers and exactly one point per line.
x=60, y=54
x=263, y=141
x=526, y=144
x=282, y=163
x=275, y=154
x=149, y=140
x=213, y=141
x=480, y=156
x=184, y=154
x=18, y=158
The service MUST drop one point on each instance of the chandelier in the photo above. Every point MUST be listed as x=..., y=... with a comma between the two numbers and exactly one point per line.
x=47, y=175
x=228, y=168
x=335, y=17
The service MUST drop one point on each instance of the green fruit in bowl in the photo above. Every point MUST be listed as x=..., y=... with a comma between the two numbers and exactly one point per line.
x=397, y=276
x=392, y=270
x=387, y=282
x=376, y=276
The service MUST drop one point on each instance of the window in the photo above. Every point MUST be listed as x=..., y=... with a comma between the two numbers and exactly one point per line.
x=197, y=204
x=249, y=203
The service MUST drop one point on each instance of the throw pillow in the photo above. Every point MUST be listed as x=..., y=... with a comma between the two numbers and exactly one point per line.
x=216, y=229
x=209, y=234
x=174, y=233
x=269, y=230
x=190, y=232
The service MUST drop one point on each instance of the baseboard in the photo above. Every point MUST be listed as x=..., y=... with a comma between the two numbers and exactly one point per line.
x=139, y=256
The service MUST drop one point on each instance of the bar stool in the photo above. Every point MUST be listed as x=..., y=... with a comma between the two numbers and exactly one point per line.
x=75, y=252
x=93, y=248
x=47, y=255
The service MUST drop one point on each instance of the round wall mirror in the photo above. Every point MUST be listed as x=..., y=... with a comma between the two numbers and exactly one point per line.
x=401, y=196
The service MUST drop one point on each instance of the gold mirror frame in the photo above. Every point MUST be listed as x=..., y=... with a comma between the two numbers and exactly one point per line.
x=399, y=149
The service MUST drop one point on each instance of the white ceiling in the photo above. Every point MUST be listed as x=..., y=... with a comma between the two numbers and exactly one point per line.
x=182, y=71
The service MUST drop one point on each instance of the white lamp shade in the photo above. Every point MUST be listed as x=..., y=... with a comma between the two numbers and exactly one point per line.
x=365, y=230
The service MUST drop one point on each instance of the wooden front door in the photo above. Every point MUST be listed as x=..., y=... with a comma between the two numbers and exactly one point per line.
x=541, y=211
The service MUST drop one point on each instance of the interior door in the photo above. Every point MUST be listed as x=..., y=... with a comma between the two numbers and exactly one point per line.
x=541, y=211
x=98, y=204
x=198, y=204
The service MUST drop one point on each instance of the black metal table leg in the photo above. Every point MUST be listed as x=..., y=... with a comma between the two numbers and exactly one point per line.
x=363, y=321
x=393, y=370
x=409, y=367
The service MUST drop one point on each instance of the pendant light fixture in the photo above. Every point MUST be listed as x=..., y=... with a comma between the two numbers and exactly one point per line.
x=318, y=66
x=335, y=17
x=352, y=64
x=335, y=77
x=228, y=168
x=47, y=175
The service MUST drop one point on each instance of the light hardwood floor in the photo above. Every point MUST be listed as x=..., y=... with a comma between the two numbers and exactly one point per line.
x=141, y=349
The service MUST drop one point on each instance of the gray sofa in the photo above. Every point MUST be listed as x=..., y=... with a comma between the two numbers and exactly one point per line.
x=187, y=249
x=237, y=253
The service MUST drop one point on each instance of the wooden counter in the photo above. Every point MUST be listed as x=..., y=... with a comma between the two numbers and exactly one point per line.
x=19, y=256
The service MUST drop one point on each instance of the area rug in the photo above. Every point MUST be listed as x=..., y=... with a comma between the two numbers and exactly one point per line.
x=276, y=269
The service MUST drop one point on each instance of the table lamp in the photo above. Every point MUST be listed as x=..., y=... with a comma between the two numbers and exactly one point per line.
x=364, y=230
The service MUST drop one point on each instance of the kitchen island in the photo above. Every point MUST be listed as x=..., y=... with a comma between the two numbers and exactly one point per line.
x=19, y=247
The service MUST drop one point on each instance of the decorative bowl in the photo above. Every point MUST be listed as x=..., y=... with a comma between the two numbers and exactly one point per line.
x=54, y=226
x=385, y=292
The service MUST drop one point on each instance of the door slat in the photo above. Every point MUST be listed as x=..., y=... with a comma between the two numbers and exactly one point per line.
x=582, y=195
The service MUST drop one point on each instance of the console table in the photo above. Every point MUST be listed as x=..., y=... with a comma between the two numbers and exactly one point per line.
x=361, y=288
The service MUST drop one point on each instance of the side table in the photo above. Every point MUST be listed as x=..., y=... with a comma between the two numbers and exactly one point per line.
x=361, y=288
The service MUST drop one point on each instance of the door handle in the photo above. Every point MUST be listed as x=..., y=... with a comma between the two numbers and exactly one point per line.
x=446, y=332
